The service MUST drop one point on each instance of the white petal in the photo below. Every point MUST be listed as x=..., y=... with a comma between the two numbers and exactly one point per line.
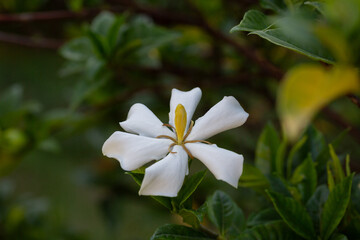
x=188, y=99
x=133, y=151
x=225, y=115
x=165, y=177
x=141, y=120
x=224, y=164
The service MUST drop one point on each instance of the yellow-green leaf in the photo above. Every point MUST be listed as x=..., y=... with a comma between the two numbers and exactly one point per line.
x=307, y=88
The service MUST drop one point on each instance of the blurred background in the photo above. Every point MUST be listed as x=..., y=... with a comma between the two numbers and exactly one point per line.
x=70, y=71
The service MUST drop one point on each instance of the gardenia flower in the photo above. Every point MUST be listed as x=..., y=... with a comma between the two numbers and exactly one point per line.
x=149, y=139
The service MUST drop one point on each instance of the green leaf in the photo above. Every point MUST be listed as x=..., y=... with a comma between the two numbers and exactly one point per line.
x=238, y=223
x=280, y=156
x=306, y=89
x=339, y=236
x=355, y=193
x=330, y=178
x=292, y=153
x=221, y=211
x=337, y=168
x=253, y=177
x=102, y=23
x=266, y=150
x=263, y=217
x=78, y=49
x=324, y=155
x=316, y=203
x=192, y=217
x=165, y=201
x=177, y=232
x=190, y=185
x=276, y=5
x=113, y=34
x=335, y=207
x=305, y=178
x=302, y=41
x=294, y=214
x=278, y=184
x=253, y=20
x=276, y=230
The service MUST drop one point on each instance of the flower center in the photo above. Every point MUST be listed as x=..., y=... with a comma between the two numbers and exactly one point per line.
x=180, y=122
x=180, y=126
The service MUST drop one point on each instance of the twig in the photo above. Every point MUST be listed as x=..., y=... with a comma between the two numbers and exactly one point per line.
x=354, y=99
x=170, y=18
x=44, y=16
x=336, y=118
x=29, y=41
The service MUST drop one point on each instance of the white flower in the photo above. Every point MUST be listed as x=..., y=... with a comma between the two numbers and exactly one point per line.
x=149, y=139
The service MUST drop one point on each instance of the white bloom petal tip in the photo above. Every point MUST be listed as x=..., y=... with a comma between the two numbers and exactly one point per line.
x=226, y=114
x=225, y=165
x=165, y=177
x=133, y=151
x=189, y=100
x=141, y=120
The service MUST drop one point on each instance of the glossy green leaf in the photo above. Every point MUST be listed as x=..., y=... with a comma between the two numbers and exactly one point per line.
x=276, y=230
x=253, y=177
x=280, y=158
x=279, y=185
x=336, y=164
x=276, y=5
x=238, y=224
x=339, y=236
x=292, y=153
x=221, y=211
x=330, y=178
x=79, y=49
x=324, y=155
x=305, y=178
x=315, y=204
x=335, y=207
x=294, y=214
x=102, y=23
x=190, y=185
x=256, y=23
x=192, y=217
x=178, y=232
x=263, y=217
x=266, y=150
x=355, y=193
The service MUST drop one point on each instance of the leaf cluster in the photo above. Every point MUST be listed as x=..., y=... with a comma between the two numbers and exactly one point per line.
x=310, y=195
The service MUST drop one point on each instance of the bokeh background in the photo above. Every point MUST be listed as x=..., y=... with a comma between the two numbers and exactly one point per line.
x=61, y=98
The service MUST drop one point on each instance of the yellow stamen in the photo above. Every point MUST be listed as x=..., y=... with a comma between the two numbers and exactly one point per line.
x=180, y=122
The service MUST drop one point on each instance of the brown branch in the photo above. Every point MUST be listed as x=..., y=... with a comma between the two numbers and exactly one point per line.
x=339, y=120
x=30, y=41
x=165, y=17
x=354, y=99
x=44, y=16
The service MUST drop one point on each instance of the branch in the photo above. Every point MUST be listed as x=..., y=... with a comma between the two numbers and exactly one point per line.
x=44, y=16
x=164, y=17
x=29, y=41
x=354, y=99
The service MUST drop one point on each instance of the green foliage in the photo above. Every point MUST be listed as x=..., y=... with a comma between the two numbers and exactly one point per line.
x=322, y=32
x=335, y=207
x=294, y=214
x=225, y=214
x=177, y=232
x=108, y=46
x=266, y=150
